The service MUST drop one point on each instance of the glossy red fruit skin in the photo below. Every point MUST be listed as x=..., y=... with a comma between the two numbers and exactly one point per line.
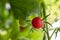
x=37, y=23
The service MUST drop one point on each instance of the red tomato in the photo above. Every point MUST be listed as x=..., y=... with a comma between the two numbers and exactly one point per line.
x=37, y=22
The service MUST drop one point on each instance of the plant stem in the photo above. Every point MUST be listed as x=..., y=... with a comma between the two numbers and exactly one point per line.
x=47, y=32
x=52, y=33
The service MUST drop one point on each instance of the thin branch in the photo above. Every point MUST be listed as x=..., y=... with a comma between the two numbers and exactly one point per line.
x=53, y=33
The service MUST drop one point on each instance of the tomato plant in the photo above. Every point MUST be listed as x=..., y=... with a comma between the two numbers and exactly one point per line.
x=24, y=20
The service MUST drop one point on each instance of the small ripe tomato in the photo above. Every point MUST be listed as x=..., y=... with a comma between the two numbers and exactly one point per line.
x=37, y=22
x=21, y=28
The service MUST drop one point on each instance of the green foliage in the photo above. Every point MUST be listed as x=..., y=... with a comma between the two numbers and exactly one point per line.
x=23, y=8
x=20, y=9
x=37, y=35
x=21, y=13
x=14, y=35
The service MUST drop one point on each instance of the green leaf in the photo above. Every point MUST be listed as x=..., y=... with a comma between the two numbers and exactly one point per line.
x=58, y=29
x=49, y=24
x=23, y=8
x=37, y=35
x=56, y=33
x=15, y=33
x=46, y=16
